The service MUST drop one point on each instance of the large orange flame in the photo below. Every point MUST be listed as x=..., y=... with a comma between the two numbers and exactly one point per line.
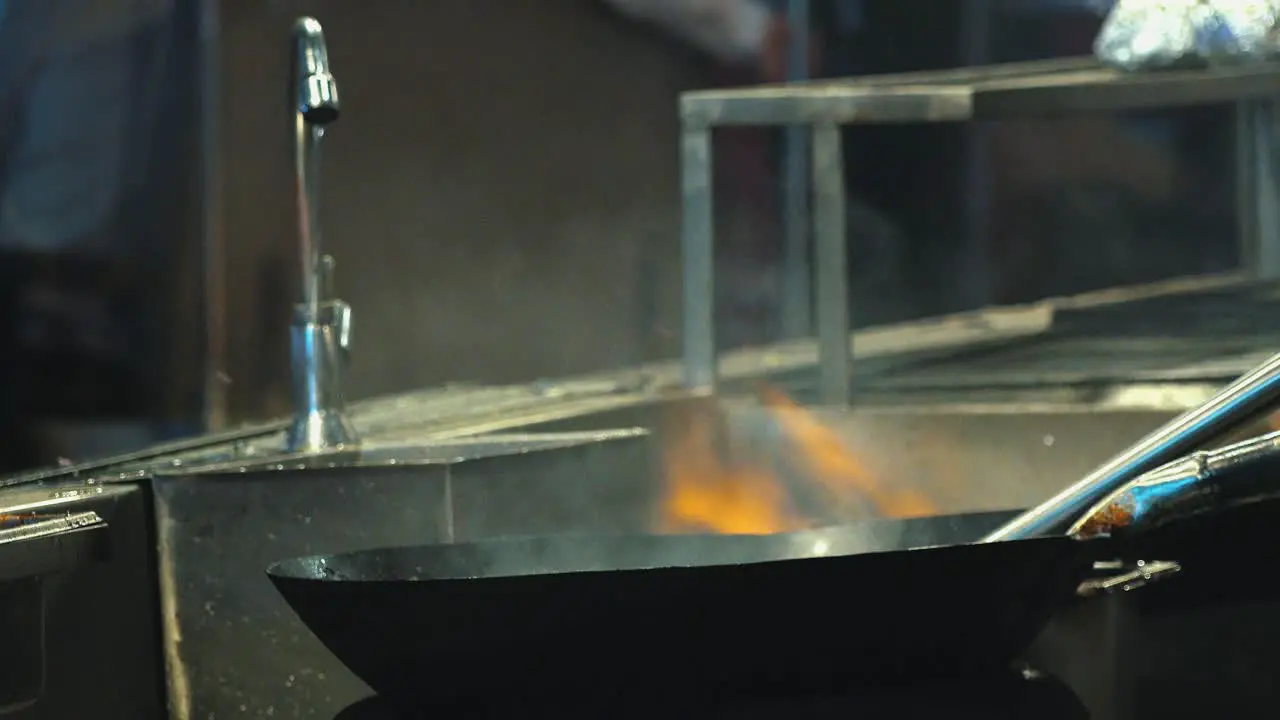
x=713, y=486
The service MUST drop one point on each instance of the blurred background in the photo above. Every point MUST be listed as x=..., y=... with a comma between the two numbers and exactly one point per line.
x=501, y=194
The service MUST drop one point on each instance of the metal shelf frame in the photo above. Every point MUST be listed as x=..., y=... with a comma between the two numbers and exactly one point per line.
x=1039, y=89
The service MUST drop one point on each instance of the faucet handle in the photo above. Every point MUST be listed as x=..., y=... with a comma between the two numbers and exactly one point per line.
x=333, y=312
x=342, y=326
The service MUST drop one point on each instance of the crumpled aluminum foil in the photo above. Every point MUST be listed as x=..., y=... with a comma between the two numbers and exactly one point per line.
x=1159, y=34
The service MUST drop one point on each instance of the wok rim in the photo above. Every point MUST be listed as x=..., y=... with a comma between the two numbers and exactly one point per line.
x=307, y=568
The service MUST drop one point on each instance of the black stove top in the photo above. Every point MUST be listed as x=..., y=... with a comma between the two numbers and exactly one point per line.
x=1011, y=698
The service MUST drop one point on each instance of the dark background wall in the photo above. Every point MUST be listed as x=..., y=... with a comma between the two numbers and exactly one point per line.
x=500, y=192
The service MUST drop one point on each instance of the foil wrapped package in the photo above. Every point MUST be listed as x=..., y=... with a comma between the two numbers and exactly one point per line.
x=1160, y=34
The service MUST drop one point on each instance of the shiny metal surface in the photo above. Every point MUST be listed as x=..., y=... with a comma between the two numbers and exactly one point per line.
x=835, y=360
x=44, y=546
x=313, y=82
x=1142, y=573
x=1234, y=405
x=50, y=527
x=320, y=349
x=34, y=554
x=1238, y=474
x=320, y=334
x=697, y=253
x=106, y=608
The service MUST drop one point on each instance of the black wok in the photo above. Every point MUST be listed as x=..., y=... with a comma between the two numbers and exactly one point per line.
x=679, y=613
x=879, y=601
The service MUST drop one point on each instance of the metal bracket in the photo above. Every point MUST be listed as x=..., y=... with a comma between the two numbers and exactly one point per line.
x=1140, y=574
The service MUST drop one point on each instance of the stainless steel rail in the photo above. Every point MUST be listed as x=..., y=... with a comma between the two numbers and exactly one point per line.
x=1034, y=89
x=797, y=280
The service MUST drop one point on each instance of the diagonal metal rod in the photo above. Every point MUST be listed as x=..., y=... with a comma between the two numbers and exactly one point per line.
x=1252, y=394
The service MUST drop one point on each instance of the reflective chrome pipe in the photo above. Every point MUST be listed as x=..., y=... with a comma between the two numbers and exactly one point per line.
x=321, y=328
x=1242, y=400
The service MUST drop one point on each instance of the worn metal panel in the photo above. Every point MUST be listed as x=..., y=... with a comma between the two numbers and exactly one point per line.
x=608, y=487
x=233, y=648
x=101, y=629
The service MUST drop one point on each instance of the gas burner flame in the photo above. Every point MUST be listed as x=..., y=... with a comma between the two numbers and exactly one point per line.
x=722, y=479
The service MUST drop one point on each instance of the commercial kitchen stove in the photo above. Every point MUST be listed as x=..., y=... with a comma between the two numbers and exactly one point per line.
x=1019, y=696
x=466, y=463
x=201, y=519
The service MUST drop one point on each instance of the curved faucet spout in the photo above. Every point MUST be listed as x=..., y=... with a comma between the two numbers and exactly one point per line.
x=314, y=97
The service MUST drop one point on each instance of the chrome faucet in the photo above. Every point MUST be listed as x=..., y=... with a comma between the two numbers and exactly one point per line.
x=321, y=328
